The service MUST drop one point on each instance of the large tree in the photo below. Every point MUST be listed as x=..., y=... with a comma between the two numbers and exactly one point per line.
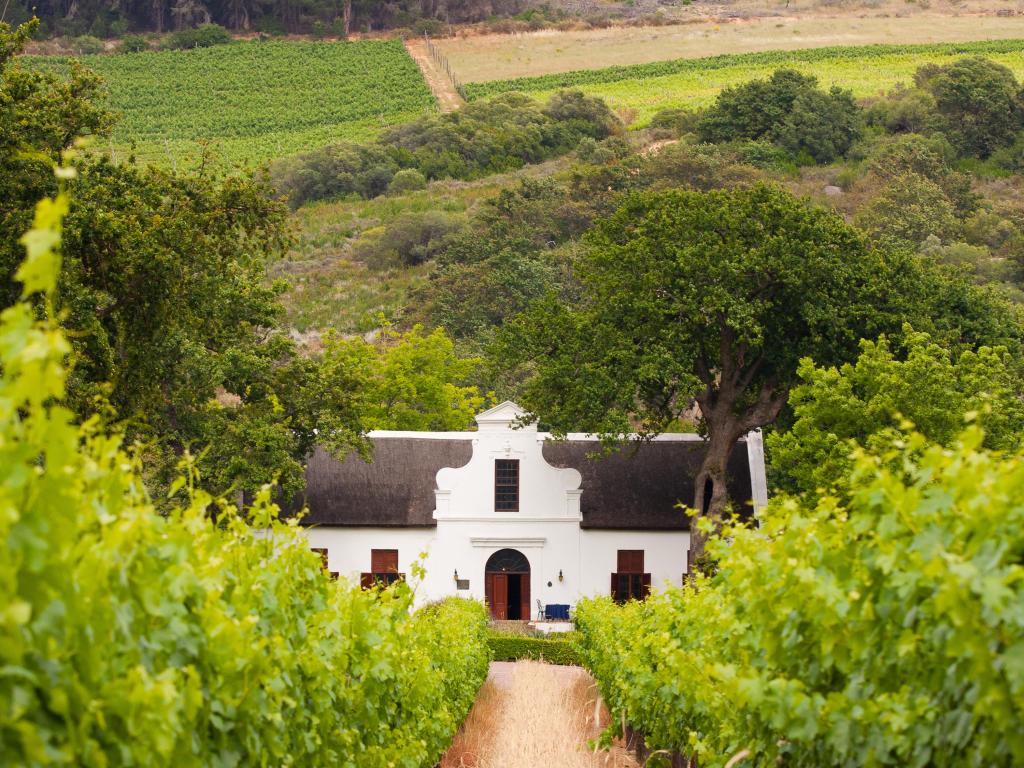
x=710, y=298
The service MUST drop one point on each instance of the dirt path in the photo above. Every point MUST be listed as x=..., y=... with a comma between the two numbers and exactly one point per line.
x=534, y=715
x=439, y=83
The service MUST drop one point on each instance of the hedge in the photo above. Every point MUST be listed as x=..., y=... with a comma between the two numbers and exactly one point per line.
x=554, y=650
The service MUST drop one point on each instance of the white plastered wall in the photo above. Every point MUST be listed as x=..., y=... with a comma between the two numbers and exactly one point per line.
x=546, y=529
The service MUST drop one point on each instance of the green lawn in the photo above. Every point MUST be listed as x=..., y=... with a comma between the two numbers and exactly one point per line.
x=253, y=101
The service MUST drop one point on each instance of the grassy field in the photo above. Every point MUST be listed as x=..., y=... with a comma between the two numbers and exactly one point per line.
x=254, y=101
x=637, y=92
x=501, y=57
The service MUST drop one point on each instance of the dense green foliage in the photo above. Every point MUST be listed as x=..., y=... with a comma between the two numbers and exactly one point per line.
x=201, y=636
x=715, y=297
x=980, y=102
x=868, y=403
x=789, y=110
x=477, y=140
x=765, y=58
x=202, y=36
x=175, y=326
x=408, y=381
x=554, y=648
x=254, y=101
x=883, y=632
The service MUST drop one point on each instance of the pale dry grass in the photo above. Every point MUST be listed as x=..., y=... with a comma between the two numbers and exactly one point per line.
x=534, y=715
x=502, y=57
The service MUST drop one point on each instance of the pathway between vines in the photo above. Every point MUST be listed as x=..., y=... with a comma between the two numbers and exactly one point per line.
x=448, y=99
x=534, y=715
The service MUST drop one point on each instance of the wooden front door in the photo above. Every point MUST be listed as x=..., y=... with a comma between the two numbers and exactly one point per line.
x=497, y=595
x=508, y=595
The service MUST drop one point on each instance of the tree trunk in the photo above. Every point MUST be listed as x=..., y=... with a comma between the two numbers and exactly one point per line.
x=711, y=477
x=346, y=16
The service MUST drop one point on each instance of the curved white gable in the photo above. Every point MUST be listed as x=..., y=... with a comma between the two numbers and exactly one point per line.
x=545, y=492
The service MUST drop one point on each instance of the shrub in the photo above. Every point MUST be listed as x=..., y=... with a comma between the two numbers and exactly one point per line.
x=1011, y=157
x=203, y=36
x=820, y=125
x=762, y=154
x=410, y=239
x=905, y=110
x=909, y=209
x=432, y=27
x=407, y=180
x=554, y=649
x=788, y=109
x=885, y=631
x=981, y=103
x=86, y=45
x=200, y=636
x=677, y=121
x=133, y=44
x=697, y=166
x=334, y=171
x=581, y=114
x=927, y=156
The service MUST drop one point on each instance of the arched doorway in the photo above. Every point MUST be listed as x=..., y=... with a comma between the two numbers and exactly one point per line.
x=507, y=585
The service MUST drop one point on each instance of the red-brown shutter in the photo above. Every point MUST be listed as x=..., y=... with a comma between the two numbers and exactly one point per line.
x=646, y=581
x=366, y=580
x=384, y=560
x=615, y=587
x=631, y=561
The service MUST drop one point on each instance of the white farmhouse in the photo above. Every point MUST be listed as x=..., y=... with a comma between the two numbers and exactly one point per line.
x=508, y=515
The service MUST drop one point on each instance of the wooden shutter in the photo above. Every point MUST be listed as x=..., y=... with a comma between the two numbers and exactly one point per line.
x=499, y=609
x=384, y=560
x=615, y=587
x=366, y=580
x=631, y=561
x=646, y=581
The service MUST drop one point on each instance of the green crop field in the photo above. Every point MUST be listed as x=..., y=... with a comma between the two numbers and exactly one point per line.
x=254, y=101
x=640, y=90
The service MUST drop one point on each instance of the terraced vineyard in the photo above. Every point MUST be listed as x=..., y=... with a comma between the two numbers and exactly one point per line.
x=258, y=100
x=640, y=90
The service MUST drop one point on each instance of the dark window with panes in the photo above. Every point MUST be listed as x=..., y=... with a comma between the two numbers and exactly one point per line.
x=506, y=485
x=629, y=582
x=383, y=568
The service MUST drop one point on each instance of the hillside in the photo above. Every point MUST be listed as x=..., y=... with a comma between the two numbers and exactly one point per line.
x=249, y=102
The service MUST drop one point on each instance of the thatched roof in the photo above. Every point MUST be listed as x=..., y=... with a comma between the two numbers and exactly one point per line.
x=395, y=489
x=639, y=485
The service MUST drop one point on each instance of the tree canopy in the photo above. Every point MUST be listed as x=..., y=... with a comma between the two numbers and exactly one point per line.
x=711, y=298
x=789, y=109
x=876, y=400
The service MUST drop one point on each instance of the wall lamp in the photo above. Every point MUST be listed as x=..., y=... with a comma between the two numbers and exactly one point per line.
x=456, y=576
x=560, y=574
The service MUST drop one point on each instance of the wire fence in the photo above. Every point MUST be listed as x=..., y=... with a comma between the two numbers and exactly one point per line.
x=442, y=62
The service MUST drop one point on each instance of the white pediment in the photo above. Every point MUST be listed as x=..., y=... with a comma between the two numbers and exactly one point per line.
x=504, y=416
